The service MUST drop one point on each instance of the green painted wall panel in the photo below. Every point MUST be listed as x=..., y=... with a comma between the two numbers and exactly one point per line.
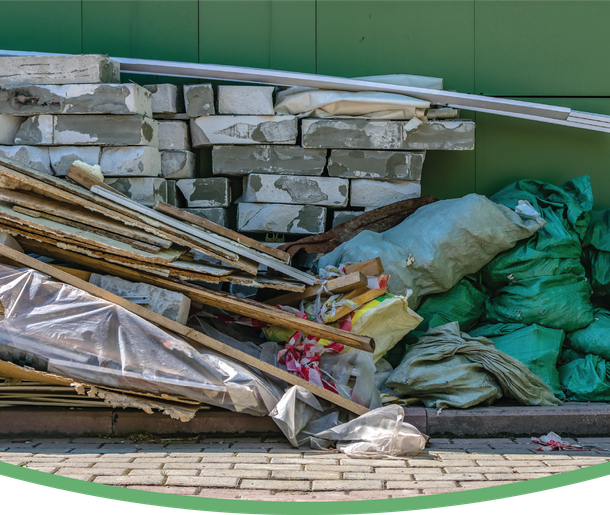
x=433, y=38
x=34, y=26
x=542, y=48
x=263, y=34
x=150, y=30
x=509, y=149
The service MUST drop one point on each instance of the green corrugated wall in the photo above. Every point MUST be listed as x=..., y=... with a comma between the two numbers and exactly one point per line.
x=548, y=51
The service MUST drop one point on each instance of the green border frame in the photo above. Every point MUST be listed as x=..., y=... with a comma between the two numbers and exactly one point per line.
x=322, y=508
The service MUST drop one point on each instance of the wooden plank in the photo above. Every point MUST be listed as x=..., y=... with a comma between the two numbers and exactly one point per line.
x=81, y=274
x=60, y=231
x=264, y=282
x=178, y=213
x=361, y=299
x=87, y=180
x=184, y=331
x=339, y=285
x=211, y=238
x=241, y=306
x=368, y=267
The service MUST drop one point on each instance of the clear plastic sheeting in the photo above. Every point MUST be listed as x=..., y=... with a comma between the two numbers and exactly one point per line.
x=63, y=330
x=380, y=433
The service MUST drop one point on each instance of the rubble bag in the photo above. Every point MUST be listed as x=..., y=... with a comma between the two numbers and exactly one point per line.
x=595, y=338
x=448, y=368
x=431, y=250
x=537, y=347
x=597, y=254
x=586, y=379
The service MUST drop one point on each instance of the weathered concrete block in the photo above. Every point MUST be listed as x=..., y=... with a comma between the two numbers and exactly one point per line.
x=36, y=130
x=199, y=100
x=217, y=215
x=177, y=164
x=172, y=196
x=76, y=99
x=210, y=192
x=131, y=162
x=174, y=135
x=285, y=189
x=376, y=164
x=167, y=303
x=276, y=159
x=145, y=190
x=441, y=135
x=340, y=217
x=254, y=100
x=34, y=157
x=9, y=125
x=351, y=133
x=59, y=69
x=100, y=130
x=367, y=193
x=243, y=130
x=63, y=157
x=281, y=218
x=390, y=135
x=166, y=98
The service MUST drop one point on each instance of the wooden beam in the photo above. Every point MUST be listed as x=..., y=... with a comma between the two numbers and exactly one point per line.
x=182, y=330
x=176, y=212
x=368, y=267
x=87, y=180
x=361, y=298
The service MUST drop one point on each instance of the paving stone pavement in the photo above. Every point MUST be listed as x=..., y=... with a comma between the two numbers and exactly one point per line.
x=260, y=468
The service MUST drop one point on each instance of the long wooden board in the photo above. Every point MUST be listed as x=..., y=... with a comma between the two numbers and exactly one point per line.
x=182, y=330
x=222, y=231
x=210, y=238
x=241, y=306
x=87, y=180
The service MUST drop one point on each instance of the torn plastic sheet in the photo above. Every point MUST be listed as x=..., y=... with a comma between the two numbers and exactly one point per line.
x=66, y=331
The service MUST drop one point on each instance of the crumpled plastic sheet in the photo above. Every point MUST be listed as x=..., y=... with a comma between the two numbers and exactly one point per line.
x=69, y=332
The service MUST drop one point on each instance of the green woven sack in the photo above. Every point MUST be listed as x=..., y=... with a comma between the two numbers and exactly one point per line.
x=595, y=338
x=586, y=379
x=597, y=254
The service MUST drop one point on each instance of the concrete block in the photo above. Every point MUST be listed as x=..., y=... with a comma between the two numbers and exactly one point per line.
x=210, y=192
x=253, y=100
x=131, y=162
x=59, y=69
x=237, y=160
x=217, y=215
x=387, y=135
x=340, y=217
x=172, y=196
x=166, y=98
x=36, y=130
x=75, y=99
x=98, y=130
x=280, y=218
x=376, y=164
x=170, y=304
x=441, y=135
x=368, y=193
x=34, y=157
x=9, y=125
x=177, y=164
x=285, y=189
x=63, y=157
x=243, y=130
x=145, y=190
x=199, y=100
x=174, y=135
x=351, y=133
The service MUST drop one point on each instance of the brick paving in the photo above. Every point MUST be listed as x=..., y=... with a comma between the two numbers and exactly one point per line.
x=270, y=469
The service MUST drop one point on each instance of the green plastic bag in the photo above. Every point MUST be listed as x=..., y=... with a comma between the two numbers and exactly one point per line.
x=595, y=338
x=586, y=379
x=597, y=255
x=541, y=280
x=538, y=348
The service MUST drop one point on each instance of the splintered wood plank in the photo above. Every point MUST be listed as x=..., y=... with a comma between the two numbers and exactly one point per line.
x=339, y=285
x=213, y=298
x=360, y=300
x=87, y=180
x=368, y=267
x=85, y=237
x=80, y=215
x=184, y=331
x=265, y=282
x=222, y=231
